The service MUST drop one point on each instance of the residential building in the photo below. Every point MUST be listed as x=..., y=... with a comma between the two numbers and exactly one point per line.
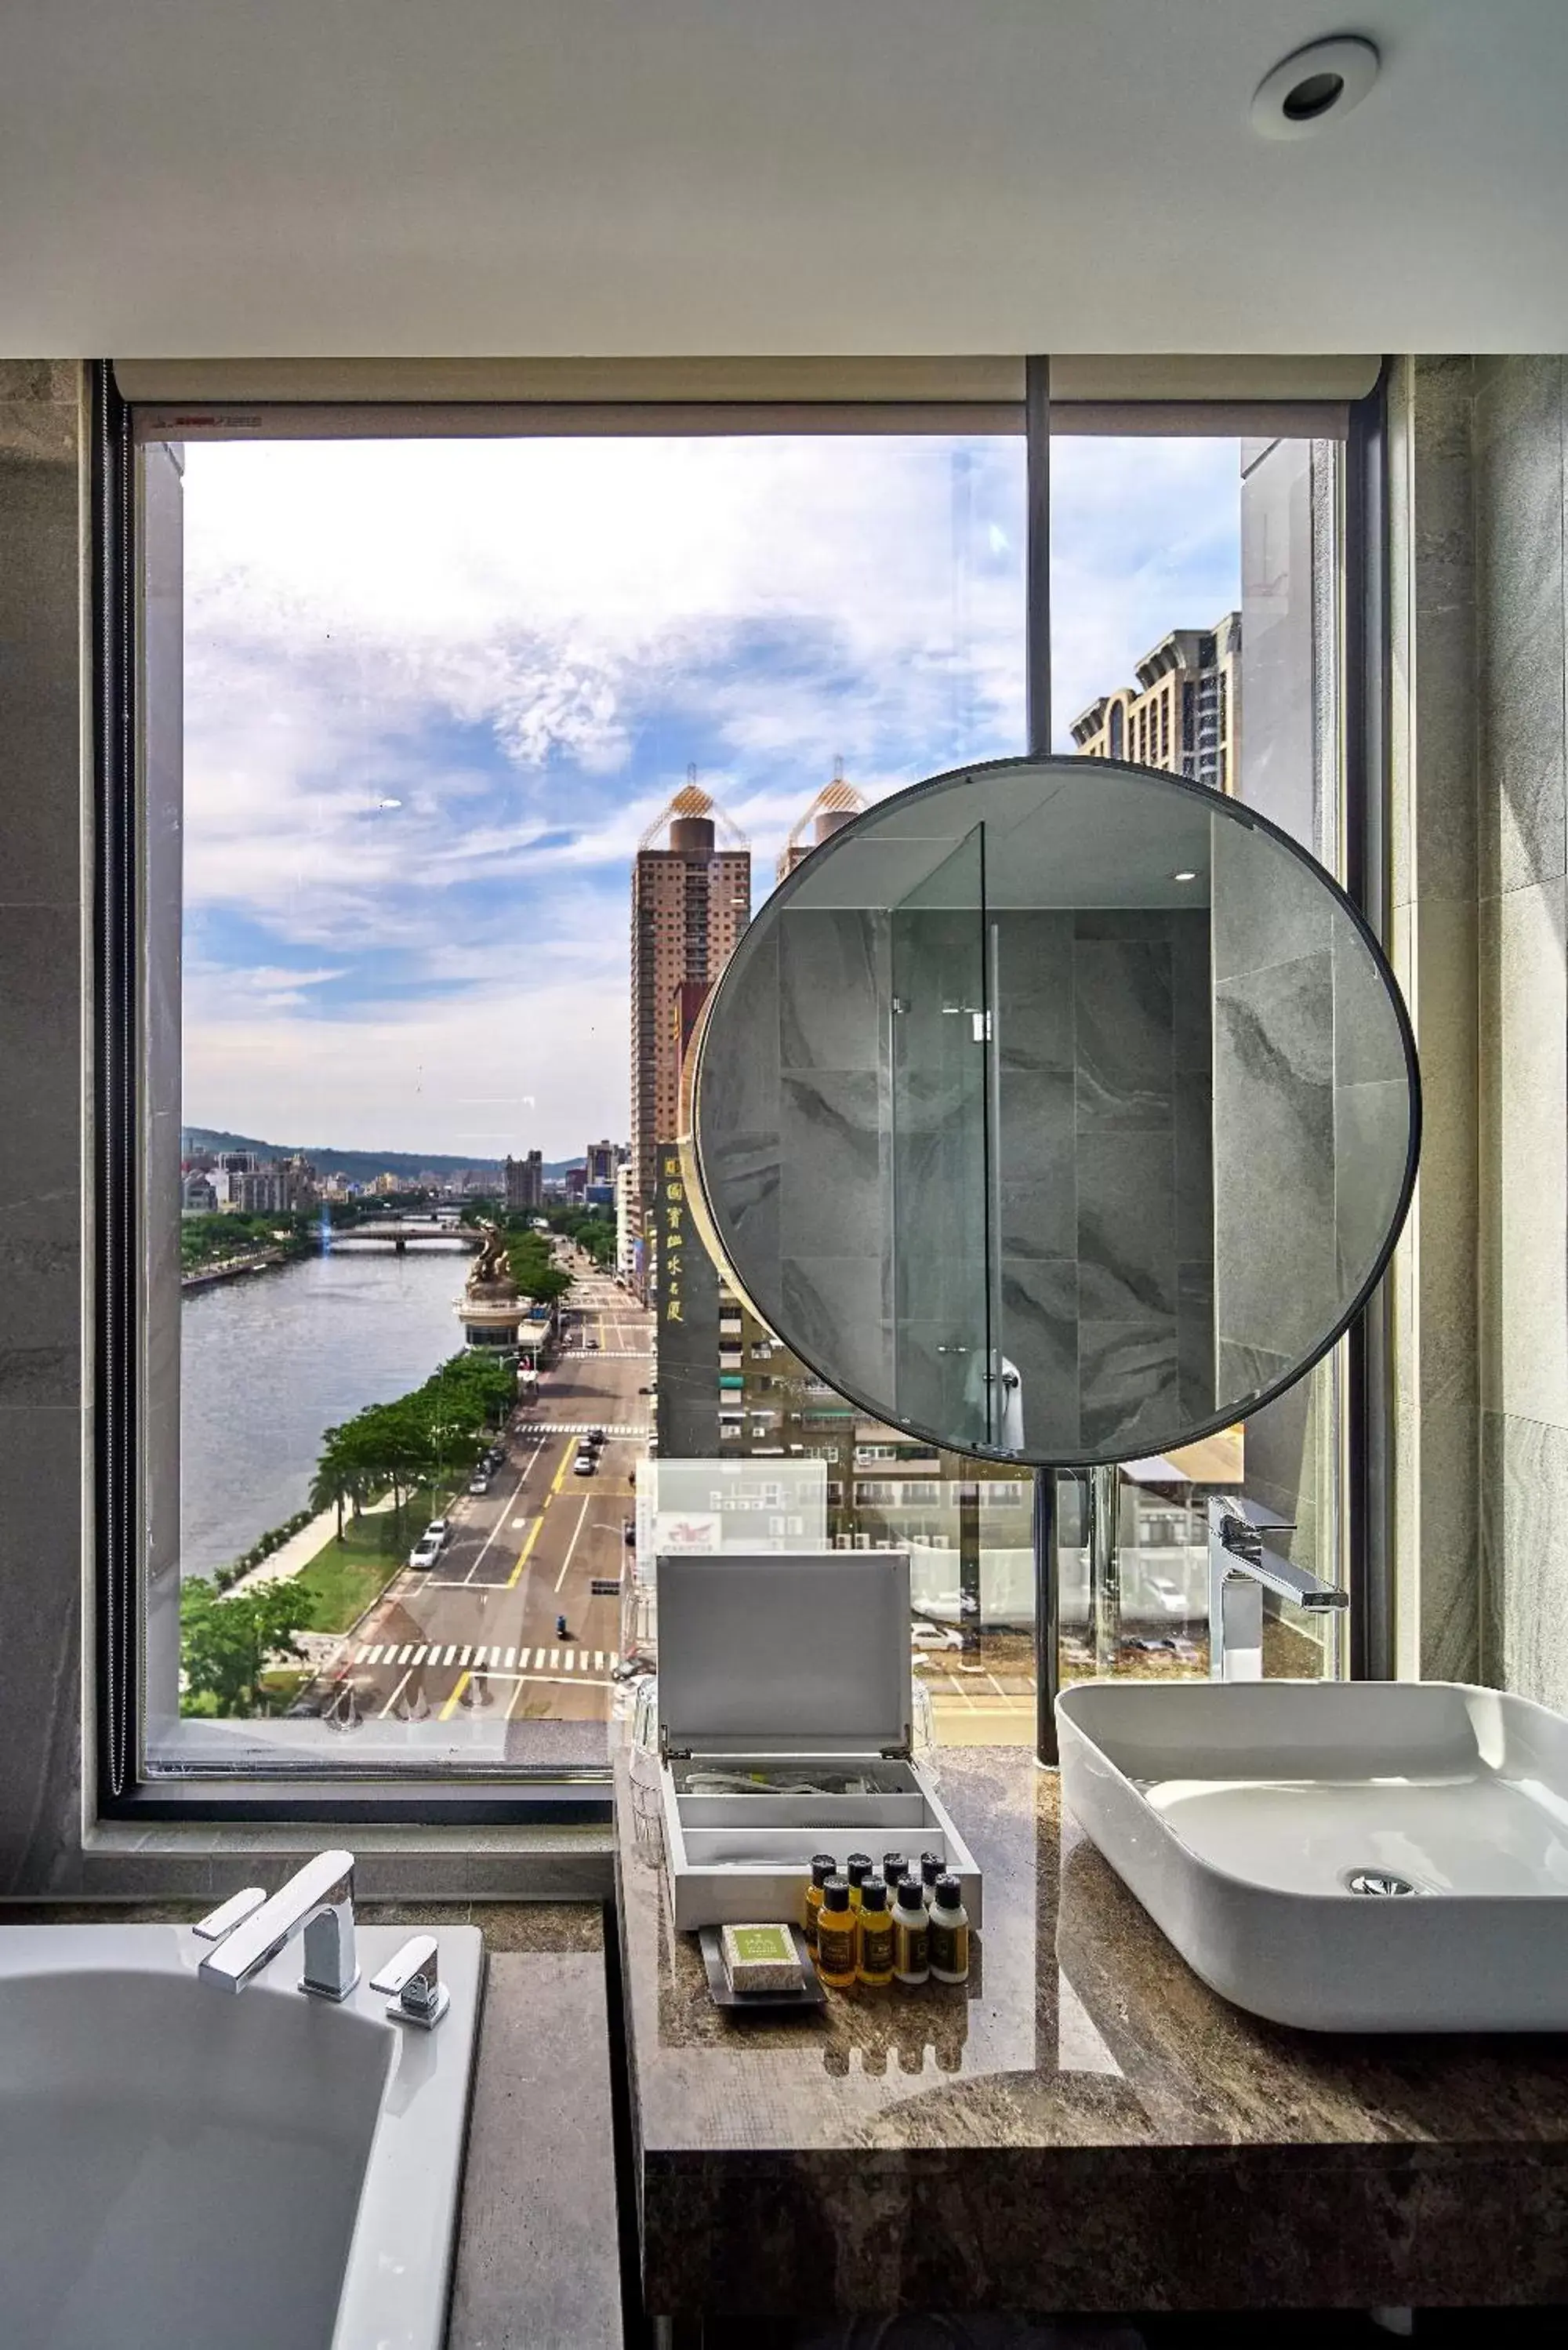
x=1183, y=714
x=599, y=1163
x=524, y=1181
x=625, y=1229
x=690, y=901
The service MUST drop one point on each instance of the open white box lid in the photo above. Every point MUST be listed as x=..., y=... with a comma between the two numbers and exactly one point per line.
x=792, y=1652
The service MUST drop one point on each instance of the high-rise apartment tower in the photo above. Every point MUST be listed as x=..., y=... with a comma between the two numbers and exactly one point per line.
x=1184, y=713
x=690, y=901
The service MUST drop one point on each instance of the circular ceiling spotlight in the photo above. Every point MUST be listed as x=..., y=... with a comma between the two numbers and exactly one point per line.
x=1316, y=85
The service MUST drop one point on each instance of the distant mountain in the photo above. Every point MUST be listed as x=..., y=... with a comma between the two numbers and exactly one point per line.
x=356, y=1166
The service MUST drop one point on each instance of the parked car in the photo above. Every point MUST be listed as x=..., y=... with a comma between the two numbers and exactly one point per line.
x=479, y=1483
x=586, y=1462
x=425, y=1552
x=935, y=1636
x=437, y=1531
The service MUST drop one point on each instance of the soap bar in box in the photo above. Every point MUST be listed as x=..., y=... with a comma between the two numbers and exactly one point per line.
x=761, y=1958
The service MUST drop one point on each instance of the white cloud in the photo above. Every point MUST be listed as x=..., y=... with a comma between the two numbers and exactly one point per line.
x=437, y=690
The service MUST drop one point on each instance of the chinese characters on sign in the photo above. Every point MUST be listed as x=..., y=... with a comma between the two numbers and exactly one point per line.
x=687, y=1327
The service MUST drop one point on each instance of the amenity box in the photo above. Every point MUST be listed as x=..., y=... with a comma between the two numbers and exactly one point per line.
x=774, y=1670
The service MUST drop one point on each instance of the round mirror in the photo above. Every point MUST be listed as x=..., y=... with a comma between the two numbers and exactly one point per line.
x=1056, y=1110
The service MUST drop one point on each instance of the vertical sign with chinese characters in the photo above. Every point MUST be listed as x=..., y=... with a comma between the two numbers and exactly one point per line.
x=687, y=1323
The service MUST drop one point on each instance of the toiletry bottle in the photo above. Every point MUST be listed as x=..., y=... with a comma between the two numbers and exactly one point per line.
x=875, y=1966
x=857, y=1868
x=822, y=1866
x=949, y=1932
x=911, y=1959
x=837, y=1941
x=932, y=1865
x=895, y=1869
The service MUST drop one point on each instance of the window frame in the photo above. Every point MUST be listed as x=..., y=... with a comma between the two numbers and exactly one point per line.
x=453, y=1795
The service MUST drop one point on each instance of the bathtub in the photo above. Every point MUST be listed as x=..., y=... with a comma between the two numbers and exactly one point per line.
x=181, y=2166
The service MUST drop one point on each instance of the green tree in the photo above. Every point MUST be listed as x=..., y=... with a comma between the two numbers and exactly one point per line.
x=226, y=1642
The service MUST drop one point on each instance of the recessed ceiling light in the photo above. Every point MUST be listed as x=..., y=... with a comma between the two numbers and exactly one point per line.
x=1316, y=85
x=1184, y=877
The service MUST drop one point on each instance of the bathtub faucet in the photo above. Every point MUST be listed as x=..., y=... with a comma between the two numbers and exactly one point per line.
x=318, y=1902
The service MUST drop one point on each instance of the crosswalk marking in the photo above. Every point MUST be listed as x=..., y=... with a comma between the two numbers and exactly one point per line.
x=487, y=1658
x=544, y=1428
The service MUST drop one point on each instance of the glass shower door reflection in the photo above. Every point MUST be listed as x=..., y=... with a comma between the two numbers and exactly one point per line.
x=941, y=1146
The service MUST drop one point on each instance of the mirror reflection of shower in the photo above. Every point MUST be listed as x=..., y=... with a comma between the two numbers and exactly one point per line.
x=1056, y=1110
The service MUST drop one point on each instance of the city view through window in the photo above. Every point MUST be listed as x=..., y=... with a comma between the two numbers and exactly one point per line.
x=450, y=1355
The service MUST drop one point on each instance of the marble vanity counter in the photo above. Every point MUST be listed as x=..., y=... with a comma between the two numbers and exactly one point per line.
x=1082, y=2127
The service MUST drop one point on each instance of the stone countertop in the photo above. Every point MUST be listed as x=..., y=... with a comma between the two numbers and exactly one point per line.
x=1082, y=2125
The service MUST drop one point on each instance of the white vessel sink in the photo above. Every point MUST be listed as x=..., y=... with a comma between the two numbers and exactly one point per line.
x=1371, y=1856
x=181, y=2165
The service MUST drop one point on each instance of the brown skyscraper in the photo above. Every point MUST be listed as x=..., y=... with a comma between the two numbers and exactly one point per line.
x=691, y=900
x=1184, y=713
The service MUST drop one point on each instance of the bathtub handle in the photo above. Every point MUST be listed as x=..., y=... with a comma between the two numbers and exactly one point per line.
x=413, y=1979
x=229, y=1914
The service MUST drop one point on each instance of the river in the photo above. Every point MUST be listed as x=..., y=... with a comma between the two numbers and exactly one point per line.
x=271, y=1359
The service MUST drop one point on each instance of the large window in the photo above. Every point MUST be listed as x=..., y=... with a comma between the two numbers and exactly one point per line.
x=449, y=706
x=426, y=715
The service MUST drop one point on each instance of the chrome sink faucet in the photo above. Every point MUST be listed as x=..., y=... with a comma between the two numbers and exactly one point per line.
x=317, y=1902
x=1240, y=1572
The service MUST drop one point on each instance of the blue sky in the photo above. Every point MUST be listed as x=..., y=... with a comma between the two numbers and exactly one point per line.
x=435, y=692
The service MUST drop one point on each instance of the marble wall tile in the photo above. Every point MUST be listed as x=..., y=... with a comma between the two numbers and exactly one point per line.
x=40, y=1683
x=1129, y=1380
x=1193, y=1166
x=1524, y=1508
x=1041, y=1219
x=1192, y=984
x=1371, y=1145
x=1036, y=1139
x=1276, y=1279
x=1039, y=1335
x=1034, y=1023
x=1446, y=812
x=1525, y=1154
x=1195, y=1359
x=838, y=1310
x=1266, y=907
x=41, y=693
x=1518, y=509
x=1450, y=1541
x=1126, y=1227
x=40, y=1146
x=832, y=1151
x=1124, y=1054
x=831, y=985
x=1366, y=1040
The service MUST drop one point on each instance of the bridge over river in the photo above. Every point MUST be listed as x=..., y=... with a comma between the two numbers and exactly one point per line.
x=400, y=1232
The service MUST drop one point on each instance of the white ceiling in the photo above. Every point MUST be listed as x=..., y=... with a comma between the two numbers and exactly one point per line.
x=582, y=177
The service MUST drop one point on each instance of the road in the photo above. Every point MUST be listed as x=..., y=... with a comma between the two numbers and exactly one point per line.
x=478, y=1630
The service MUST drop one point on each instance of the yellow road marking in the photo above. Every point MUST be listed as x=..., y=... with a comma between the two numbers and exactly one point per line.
x=526, y=1552
x=449, y=1708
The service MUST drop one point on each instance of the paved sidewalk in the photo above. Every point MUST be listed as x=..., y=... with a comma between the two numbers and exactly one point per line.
x=297, y=1551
